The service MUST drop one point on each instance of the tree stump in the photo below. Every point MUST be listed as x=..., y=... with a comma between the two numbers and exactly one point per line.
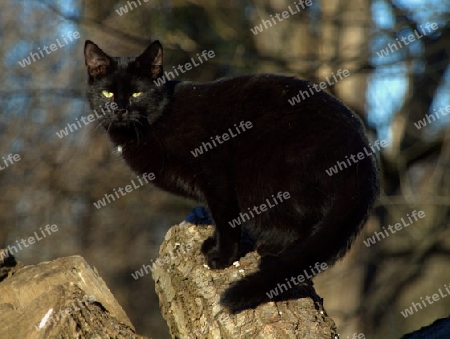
x=189, y=295
x=63, y=298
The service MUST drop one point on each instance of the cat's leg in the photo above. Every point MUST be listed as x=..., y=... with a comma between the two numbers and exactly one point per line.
x=222, y=249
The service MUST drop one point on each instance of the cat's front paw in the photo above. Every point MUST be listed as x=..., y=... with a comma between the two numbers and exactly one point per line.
x=217, y=257
x=208, y=245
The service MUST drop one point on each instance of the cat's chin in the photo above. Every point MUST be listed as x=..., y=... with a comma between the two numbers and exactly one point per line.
x=114, y=124
x=121, y=130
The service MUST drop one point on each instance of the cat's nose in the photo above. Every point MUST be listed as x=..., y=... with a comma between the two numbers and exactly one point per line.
x=121, y=105
x=121, y=114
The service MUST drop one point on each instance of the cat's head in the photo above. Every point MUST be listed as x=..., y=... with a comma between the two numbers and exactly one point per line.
x=121, y=89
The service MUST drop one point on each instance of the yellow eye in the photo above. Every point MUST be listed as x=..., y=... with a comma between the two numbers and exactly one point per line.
x=135, y=95
x=107, y=94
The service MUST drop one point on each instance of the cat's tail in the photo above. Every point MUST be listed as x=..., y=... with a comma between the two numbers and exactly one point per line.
x=328, y=241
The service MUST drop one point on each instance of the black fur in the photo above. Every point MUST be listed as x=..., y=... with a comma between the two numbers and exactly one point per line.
x=287, y=149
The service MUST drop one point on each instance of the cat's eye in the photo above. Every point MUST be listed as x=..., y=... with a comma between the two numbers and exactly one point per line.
x=135, y=95
x=107, y=94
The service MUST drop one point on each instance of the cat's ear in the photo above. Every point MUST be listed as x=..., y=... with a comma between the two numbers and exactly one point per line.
x=150, y=62
x=96, y=60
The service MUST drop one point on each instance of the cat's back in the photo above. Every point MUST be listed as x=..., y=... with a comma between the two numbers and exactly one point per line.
x=320, y=121
x=252, y=87
x=263, y=92
x=267, y=99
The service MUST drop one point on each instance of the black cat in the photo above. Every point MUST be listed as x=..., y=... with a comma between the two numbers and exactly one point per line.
x=237, y=144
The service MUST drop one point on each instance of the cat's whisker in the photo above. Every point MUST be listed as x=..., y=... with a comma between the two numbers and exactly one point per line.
x=99, y=126
x=137, y=132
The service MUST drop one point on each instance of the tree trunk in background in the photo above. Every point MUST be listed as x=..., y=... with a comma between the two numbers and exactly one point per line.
x=344, y=44
x=189, y=293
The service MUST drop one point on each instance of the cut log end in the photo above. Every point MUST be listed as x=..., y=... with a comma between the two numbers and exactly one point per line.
x=64, y=298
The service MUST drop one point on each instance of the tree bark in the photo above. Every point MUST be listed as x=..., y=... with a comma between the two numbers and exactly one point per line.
x=189, y=295
x=64, y=298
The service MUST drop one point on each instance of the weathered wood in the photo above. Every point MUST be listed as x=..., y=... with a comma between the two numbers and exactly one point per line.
x=189, y=293
x=64, y=298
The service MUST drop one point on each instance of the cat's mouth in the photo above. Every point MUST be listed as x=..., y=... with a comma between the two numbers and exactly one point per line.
x=123, y=119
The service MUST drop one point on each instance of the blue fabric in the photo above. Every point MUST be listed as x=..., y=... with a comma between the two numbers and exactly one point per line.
x=199, y=216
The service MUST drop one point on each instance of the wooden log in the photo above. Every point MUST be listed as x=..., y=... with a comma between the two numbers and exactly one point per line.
x=63, y=298
x=189, y=295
